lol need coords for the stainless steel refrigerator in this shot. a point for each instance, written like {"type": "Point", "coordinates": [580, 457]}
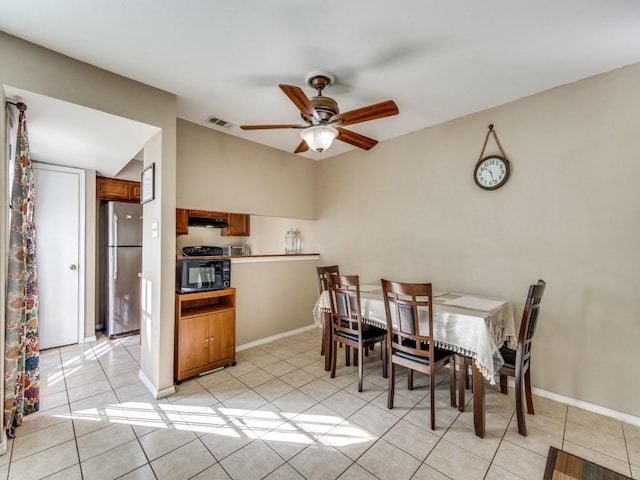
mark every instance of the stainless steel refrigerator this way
{"type": "Point", "coordinates": [122, 271]}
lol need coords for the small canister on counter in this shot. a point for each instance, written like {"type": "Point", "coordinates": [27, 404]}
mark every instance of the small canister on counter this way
{"type": "Point", "coordinates": [292, 241]}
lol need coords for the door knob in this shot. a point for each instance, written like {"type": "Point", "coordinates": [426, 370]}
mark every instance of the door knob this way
{"type": "Point", "coordinates": [72, 267]}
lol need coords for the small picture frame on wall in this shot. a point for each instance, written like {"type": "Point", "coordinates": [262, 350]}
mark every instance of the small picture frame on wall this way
{"type": "Point", "coordinates": [147, 184]}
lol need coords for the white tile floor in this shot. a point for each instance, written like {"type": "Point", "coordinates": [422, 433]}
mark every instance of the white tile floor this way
{"type": "Point", "coordinates": [278, 415]}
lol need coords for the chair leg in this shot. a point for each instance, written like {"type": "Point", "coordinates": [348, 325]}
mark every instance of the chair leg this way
{"type": "Point", "coordinates": [334, 354]}
{"type": "Point", "coordinates": [383, 353]}
{"type": "Point", "coordinates": [432, 398]}
{"type": "Point", "coordinates": [462, 383]}
{"type": "Point", "coordinates": [347, 355]}
{"type": "Point", "coordinates": [504, 388]}
{"type": "Point", "coordinates": [410, 379]}
{"type": "Point", "coordinates": [323, 340]}
{"type": "Point", "coordinates": [392, 384]}
{"type": "Point", "coordinates": [522, 426]}
{"type": "Point", "coordinates": [357, 353]}
{"type": "Point", "coordinates": [452, 380]}
{"type": "Point", "coordinates": [527, 391]}
{"type": "Point", "coordinates": [467, 378]}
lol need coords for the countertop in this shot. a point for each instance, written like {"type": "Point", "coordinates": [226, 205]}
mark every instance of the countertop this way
{"type": "Point", "coordinates": [274, 257]}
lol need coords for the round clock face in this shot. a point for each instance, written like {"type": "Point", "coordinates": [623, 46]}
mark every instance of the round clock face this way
{"type": "Point", "coordinates": [491, 172]}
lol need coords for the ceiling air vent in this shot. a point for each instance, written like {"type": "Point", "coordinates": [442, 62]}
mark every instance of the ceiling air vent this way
{"type": "Point", "coordinates": [219, 122]}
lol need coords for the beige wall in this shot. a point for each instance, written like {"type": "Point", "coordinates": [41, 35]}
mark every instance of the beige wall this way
{"type": "Point", "coordinates": [273, 297]}
{"type": "Point", "coordinates": [242, 177]}
{"type": "Point", "coordinates": [569, 214]}
{"type": "Point", "coordinates": [29, 67]}
{"type": "Point", "coordinates": [131, 171]}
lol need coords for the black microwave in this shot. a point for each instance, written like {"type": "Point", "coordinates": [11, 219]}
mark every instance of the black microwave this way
{"type": "Point", "coordinates": [202, 275]}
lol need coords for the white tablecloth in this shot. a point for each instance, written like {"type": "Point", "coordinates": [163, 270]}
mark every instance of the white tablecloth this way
{"type": "Point", "coordinates": [469, 325]}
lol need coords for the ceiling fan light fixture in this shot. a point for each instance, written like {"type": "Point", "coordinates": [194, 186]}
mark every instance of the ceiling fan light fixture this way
{"type": "Point", "coordinates": [319, 137]}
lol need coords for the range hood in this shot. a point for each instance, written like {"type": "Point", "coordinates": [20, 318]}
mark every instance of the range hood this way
{"type": "Point", "coordinates": [211, 222]}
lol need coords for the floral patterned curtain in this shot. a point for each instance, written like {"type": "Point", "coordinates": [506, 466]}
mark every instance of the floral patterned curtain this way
{"type": "Point", "coordinates": [22, 358]}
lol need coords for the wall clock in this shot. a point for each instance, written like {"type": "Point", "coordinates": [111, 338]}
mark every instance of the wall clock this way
{"type": "Point", "coordinates": [491, 172]}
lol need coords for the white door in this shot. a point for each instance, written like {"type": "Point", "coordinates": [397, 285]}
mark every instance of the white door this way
{"type": "Point", "coordinates": [59, 219]}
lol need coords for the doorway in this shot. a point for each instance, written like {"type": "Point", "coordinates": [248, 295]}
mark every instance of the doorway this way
{"type": "Point", "coordinates": [59, 219]}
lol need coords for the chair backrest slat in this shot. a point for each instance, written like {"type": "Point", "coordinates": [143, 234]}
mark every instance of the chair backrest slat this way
{"type": "Point", "coordinates": [407, 317]}
{"type": "Point", "coordinates": [342, 304]}
{"type": "Point", "coordinates": [344, 294]}
{"type": "Point", "coordinates": [323, 273]}
{"type": "Point", "coordinates": [404, 304]}
{"type": "Point", "coordinates": [528, 324]}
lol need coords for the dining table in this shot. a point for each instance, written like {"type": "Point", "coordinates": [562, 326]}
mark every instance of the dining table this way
{"type": "Point", "coordinates": [473, 326]}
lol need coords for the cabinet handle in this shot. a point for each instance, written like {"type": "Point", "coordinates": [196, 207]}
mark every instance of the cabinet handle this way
{"type": "Point", "coordinates": [212, 339]}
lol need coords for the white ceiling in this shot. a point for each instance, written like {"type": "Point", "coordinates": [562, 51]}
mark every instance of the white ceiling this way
{"type": "Point", "coordinates": [438, 60]}
{"type": "Point", "coordinates": [66, 134]}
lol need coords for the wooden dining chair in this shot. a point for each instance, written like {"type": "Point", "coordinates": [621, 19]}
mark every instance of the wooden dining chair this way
{"type": "Point", "coordinates": [323, 285]}
{"type": "Point", "coordinates": [408, 345]}
{"type": "Point", "coordinates": [347, 326]}
{"type": "Point", "coordinates": [517, 363]}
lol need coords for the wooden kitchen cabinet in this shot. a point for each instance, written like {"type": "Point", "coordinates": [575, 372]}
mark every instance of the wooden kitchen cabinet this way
{"type": "Point", "coordinates": [182, 221]}
{"type": "Point", "coordinates": [115, 189]}
{"type": "Point", "coordinates": [205, 334]}
{"type": "Point", "coordinates": [134, 191]}
{"type": "Point", "coordinates": [238, 225]}
{"type": "Point", "coordinates": [206, 214]}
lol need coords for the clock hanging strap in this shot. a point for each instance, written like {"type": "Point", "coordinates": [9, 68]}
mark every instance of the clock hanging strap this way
{"type": "Point", "coordinates": [486, 139]}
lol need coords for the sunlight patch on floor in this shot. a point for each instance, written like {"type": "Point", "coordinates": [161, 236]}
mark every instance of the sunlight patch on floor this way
{"type": "Point", "coordinates": [285, 427]}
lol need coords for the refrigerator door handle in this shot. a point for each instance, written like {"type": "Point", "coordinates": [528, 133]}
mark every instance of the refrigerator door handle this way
{"type": "Point", "coordinates": [115, 246]}
{"type": "Point", "coordinates": [115, 230]}
{"type": "Point", "coordinates": [114, 252]}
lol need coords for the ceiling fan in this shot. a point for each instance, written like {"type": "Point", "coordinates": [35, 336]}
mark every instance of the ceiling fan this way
{"type": "Point", "coordinates": [323, 121]}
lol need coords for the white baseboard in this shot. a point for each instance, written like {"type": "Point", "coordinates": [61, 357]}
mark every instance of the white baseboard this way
{"type": "Point", "coordinates": [262, 341]}
{"type": "Point", "coordinates": [157, 394]}
{"type": "Point", "coordinates": [93, 338]}
{"type": "Point", "coordinates": [590, 407]}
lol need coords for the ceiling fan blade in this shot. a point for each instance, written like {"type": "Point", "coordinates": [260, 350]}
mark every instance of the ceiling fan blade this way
{"type": "Point", "coordinates": [297, 96]}
{"type": "Point", "coordinates": [302, 147]}
{"type": "Point", "coordinates": [356, 139]}
{"type": "Point", "coordinates": [364, 114]}
{"type": "Point", "coordinates": [264, 127]}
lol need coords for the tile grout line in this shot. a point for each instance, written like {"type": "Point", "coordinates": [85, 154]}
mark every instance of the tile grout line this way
{"type": "Point", "coordinates": [73, 423]}
{"type": "Point", "coordinates": [495, 454]}
{"type": "Point", "coordinates": [315, 376]}
{"type": "Point", "coordinates": [137, 438]}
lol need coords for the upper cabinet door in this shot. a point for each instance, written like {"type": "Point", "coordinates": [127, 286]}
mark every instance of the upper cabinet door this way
{"type": "Point", "coordinates": [182, 221]}
{"type": "Point", "coordinates": [239, 225]}
{"type": "Point", "coordinates": [114, 189]}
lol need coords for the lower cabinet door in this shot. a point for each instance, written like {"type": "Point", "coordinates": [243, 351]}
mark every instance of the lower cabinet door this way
{"type": "Point", "coordinates": [194, 342]}
{"type": "Point", "coordinates": [222, 336]}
